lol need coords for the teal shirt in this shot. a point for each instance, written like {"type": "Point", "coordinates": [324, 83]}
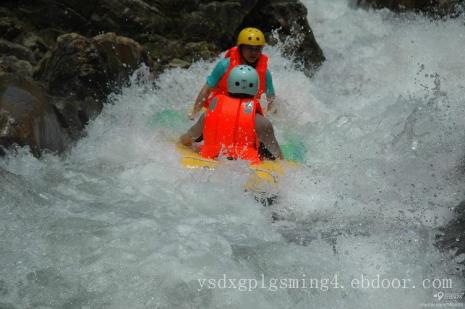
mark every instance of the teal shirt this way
{"type": "Point", "coordinates": [222, 66]}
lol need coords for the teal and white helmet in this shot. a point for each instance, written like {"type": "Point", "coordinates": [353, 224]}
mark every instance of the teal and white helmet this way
{"type": "Point", "coordinates": [243, 79]}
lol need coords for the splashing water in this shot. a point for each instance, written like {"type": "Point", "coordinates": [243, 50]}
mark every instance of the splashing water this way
{"type": "Point", "coordinates": [117, 223]}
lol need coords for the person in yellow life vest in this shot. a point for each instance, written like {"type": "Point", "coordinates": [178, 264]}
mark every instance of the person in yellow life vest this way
{"type": "Point", "coordinates": [233, 125]}
{"type": "Point", "coordinates": [248, 50]}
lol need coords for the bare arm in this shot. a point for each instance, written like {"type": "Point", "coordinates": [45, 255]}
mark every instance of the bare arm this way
{"type": "Point", "coordinates": [193, 133]}
{"type": "Point", "coordinates": [201, 98]}
{"type": "Point", "coordinates": [265, 134]}
{"type": "Point", "coordinates": [271, 108]}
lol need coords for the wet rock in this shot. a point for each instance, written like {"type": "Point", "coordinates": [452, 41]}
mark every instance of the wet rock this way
{"type": "Point", "coordinates": [163, 50]}
{"type": "Point", "coordinates": [200, 50]}
{"type": "Point", "coordinates": [178, 63]}
{"type": "Point", "coordinates": [291, 18]}
{"type": "Point", "coordinates": [78, 75]}
{"type": "Point", "coordinates": [434, 7]}
{"type": "Point", "coordinates": [34, 43]}
{"type": "Point", "coordinates": [10, 28]}
{"type": "Point", "coordinates": [192, 30]}
{"type": "Point", "coordinates": [27, 118]}
{"type": "Point", "coordinates": [13, 65]}
{"type": "Point", "coordinates": [72, 115]}
{"type": "Point", "coordinates": [167, 27]}
{"type": "Point", "coordinates": [84, 71]}
{"type": "Point", "coordinates": [19, 40]}
{"type": "Point", "coordinates": [48, 14]}
{"type": "Point", "coordinates": [215, 21]}
{"type": "Point", "coordinates": [220, 22]}
{"type": "Point", "coordinates": [17, 50]}
{"type": "Point", "coordinates": [49, 36]}
{"type": "Point", "coordinates": [122, 55]}
{"type": "Point", "coordinates": [72, 67]}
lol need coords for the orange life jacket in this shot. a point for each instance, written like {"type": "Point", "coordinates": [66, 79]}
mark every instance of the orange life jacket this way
{"type": "Point", "coordinates": [229, 129]}
{"type": "Point", "coordinates": [235, 59]}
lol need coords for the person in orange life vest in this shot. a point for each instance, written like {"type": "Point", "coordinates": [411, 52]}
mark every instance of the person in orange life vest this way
{"type": "Point", "coordinates": [248, 50]}
{"type": "Point", "coordinates": [234, 125]}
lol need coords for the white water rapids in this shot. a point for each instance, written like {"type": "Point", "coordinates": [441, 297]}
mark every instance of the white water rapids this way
{"type": "Point", "coordinates": [118, 223]}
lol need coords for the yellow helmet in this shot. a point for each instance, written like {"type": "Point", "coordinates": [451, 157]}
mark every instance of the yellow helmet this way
{"type": "Point", "coordinates": [251, 36]}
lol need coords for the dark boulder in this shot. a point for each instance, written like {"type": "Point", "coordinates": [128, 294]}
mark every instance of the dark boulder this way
{"type": "Point", "coordinates": [81, 72]}
{"type": "Point", "coordinates": [10, 28]}
{"type": "Point", "coordinates": [185, 30]}
{"type": "Point", "coordinates": [15, 66]}
{"type": "Point", "coordinates": [34, 43]}
{"type": "Point", "coordinates": [21, 47]}
{"type": "Point", "coordinates": [214, 25]}
{"type": "Point", "coordinates": [17, 50]}
{"type": "Point", "coordinates": [291, 18]}
{"type": "Point", "coordinates": [73, 81]}
{"type": "Point", "coordinates": [42, 14]}
{"type": "Point", "coordinates": [27, 118]}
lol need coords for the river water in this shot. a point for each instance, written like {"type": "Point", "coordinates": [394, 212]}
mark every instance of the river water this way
{"type": "Point", "coordinates": [118, 223]}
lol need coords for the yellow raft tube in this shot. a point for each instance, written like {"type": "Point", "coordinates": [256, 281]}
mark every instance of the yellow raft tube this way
{"type": "Point", "coordinates": [265, 174]}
